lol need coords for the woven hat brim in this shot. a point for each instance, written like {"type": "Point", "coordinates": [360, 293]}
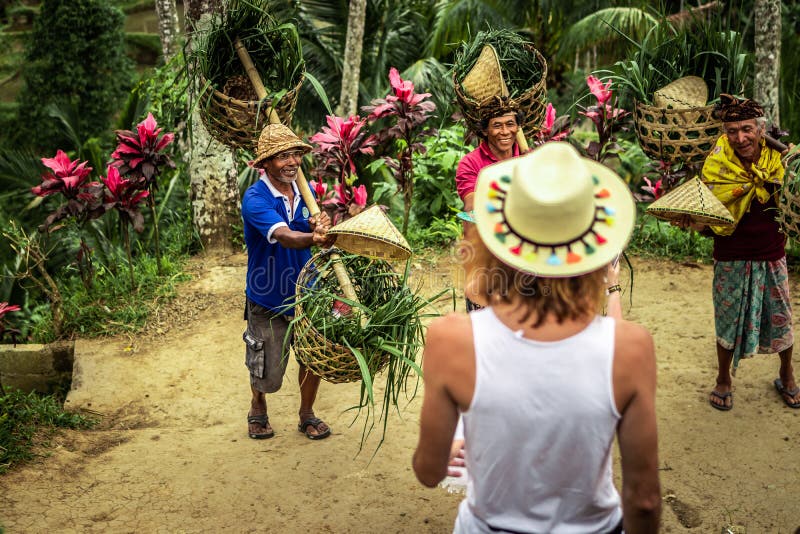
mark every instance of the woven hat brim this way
{"type": "Point", "coordinates": [616, 235]}
{"type": "Point", "coordinates": [371, 234]}
{"type": "Point", "coordinates": [683, 93]}
{"type": "Point", "coordinates": [691, 198]}
{"type": "Point", "coordinates": [280, 147]}
{"type": "Point", "coordinates": [666, 214]}
{"type": "Point", "coordinates": [485, 80]}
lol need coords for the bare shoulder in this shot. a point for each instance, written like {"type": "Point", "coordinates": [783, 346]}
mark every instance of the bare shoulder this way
{"type": "Point", "coordinates": [452, 328]}
{"type": "Point", "coordinates": [448, 336]}
{"type": "Point", "coordinates": [634, 343]}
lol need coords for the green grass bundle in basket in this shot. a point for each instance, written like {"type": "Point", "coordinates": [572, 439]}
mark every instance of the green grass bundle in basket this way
{"type": "Point", "coordinates": [524, 73]}
{"type": "Point", "coordinates": [789, 198]}
{"type": "Point", "coordinates": [228, 103]}
{"type": "Point", "coordinates": [329, 337]}
{"type": "Point", "coordinates": [669, 53]}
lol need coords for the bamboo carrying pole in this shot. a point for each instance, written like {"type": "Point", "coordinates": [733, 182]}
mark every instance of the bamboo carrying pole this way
{"type": "Point", "coordinates": [302, 184]}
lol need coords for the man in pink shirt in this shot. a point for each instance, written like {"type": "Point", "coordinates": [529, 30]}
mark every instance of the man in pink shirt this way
{"type": "Point", "coordinates": [498, 142]}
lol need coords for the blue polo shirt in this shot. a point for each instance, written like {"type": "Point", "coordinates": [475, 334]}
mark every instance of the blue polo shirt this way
{"type": "Point", "coordinates": [272, 269]}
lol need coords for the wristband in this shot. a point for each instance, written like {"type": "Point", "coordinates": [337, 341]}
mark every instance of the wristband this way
{"type": "Point", "coordinates": [613, 289]}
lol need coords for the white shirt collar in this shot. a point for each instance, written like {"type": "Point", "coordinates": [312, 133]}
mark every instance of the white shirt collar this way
{"type": "Point", "coordinates": [275, 191]}
{"type": "Point", "coordinates": [277, 194]}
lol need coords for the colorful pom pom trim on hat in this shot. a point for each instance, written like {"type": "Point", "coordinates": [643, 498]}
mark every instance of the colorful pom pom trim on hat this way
{"type": "Point", "coordinates": [502, 230]}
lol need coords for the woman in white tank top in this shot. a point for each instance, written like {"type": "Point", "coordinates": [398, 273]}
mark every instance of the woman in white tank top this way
{"type": "Point", "coordinates": [543, 381]}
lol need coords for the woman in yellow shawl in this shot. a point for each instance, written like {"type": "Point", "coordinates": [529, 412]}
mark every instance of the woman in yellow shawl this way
{"type": "Point", "coordinates": [752, 308]}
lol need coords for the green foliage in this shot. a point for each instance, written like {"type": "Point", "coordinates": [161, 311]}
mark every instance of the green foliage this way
{"type": "Point", "coordinates": [790, 65]}
{"type": "Point", "coordinates": [27, 420]}
{"type": "Point", "coordinates": [393, 329]}
{"type": "Point", "coordinates": [274, 48]}
{"type": "Point", "coordinates": [595, 29]}
{"type": "Point", "coordinates": [145, 48]}
{"type": "Point", "coordinates": [513, 51]}
{"type": "Point", "coordinates": [164, 93]}
{"type": "Point", "coordinates": [435, 195]}
{"type": "Point", "coordinates": [76, 55]}
{"type": "Point", "coordinates": [439, 233]}
{"type": "Point", "coordinates": [716, 54]}
{"type": "Point", "coordinates": [109, 306]}
{"type": "Point", "coordinates": [655, 238]}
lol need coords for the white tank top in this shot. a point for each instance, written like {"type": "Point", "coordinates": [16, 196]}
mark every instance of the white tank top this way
{"type": "Point", "coordinates": [539, 432]}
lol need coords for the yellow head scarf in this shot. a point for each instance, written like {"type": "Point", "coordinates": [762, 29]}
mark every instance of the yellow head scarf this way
{"type": "Point", "coordinates": [734, 186]}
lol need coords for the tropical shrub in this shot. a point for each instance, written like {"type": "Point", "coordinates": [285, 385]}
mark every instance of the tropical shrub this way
{"type": "Point", "coordinates": [339, 144]}
{"type": "Point", "coordinates": [404, 115]}
{"type": "Point", "coordinates": [76, 55]}
{"type": "Point", "coordinates": [670, 51]}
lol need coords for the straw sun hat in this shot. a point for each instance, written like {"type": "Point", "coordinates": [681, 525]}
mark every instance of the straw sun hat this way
{"type": "Point", "coordinates": [274, 139]}
{"type": "Point", "coordinates": [552, 212]}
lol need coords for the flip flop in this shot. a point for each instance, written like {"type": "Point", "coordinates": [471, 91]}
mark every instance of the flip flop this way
{"type": "Point", "coordinates": [262, 420]}
{"type": "Point", "coordinates": [784, 393]}
{"type": "Point", "coordinates": [722, 397]}
{"type": "Point", "coordinates": [314, 423]}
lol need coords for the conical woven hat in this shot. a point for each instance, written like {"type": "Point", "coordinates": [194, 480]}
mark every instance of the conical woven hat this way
{"type": "Point", "coordinates": [485, 79]}
{"type": "Point", "coordinates": [695, 199]}
{"type": "Point", "coordinates": [686, 92]}
{"type": "Point", "coordinates": [371, 234]}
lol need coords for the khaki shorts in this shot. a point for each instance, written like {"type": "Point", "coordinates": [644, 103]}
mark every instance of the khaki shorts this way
{"type": "Point", "coordinates": [267, 351]}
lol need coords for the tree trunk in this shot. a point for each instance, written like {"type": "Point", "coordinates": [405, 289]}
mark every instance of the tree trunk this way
{"type": "Point", "coordinates": [212, 169]}
{"type": "Point", "coordinates": [193, 10]}
{"type": "Point", "coordinates": [351, 69]}
{"type": "Point", "coordinates": [768, 57]}
{"type": "Point", "coordinates": [168, 27]}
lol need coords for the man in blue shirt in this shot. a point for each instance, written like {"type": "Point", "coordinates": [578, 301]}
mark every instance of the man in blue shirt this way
{"type": "Point", "coordinates": [278, 233]}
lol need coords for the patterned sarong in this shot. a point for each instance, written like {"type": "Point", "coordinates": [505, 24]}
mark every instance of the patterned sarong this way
{"type": "Point", "coordinates": [752, 310]}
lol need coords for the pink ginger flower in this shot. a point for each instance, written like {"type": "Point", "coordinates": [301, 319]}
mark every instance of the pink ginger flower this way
{"type": "Point", "coordinates": [68, 177]}
{"type": "Point", "coordinates": [319, 188]}
{"type": "Point", "coordinates": [600, 90]}
{"type": "Point", "coordinates": [654, 189]}
{"type": "Point", "coordinates": [360, 195]}
{"type": "Point", "coordinates": [5, 308]}
{"type": "Point", "coordinates": [139, 153]}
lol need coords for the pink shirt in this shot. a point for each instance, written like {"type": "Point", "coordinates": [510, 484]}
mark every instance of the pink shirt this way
{"type": "Point", "coordinates": [471, 164]}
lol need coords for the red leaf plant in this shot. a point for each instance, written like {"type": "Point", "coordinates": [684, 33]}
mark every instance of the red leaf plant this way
{"type": "Point", "coordinates": [5, 308]}
{"type": "Point", "coordinates": [338, 145]}
{"type": "Point", "coordinates": [71, 179]}
{"type": "Point", "coordinates": [553, 129]}
{"type": "Point", "coordinates": [139, 154]}
{"type": "Point", "coordinates": [124, 196]}
{"type": "Point", "coordinates": [140, 157]}
{"type": "Point", "coordinates": [607, 119]}
{"type": "Point", "coordinates": [407, 112]}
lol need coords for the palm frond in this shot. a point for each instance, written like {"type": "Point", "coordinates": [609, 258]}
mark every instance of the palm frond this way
{"type": "Point", "coordinates": [456, 21]}
{"type": "Point", "coordinates": [612, 24]}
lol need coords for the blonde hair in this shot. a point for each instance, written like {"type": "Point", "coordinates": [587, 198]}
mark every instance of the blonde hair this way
{"type": "Point", "coordinates": [491, 280]}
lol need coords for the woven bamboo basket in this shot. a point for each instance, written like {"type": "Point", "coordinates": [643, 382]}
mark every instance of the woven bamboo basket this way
{"type": "Point", "coordinates": [532, 103]}
{"type": "Point", "coordinates": [676, 135]}
{"type": "Point", "coordinates": [235, 116]}
{"type": "Point", "coordinates": [335, 362]}
{"type": "Point", "coordinates": [789, 201]}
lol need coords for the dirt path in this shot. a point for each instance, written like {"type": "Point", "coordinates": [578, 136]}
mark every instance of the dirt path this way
{"type": "Point", "coordinates": [172, 455]}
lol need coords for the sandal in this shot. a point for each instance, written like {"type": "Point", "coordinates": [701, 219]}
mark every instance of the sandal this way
{"type": "Point", "coordinates": [261, 420]}
{"type": "Point", "coordinates": [314, 423]}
